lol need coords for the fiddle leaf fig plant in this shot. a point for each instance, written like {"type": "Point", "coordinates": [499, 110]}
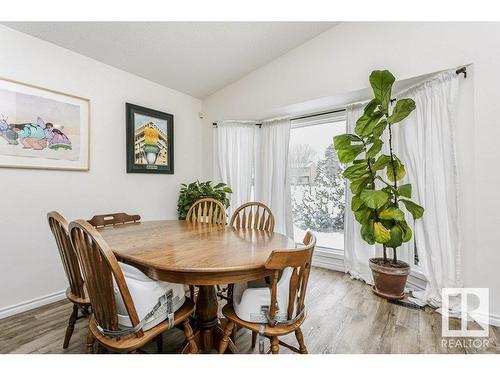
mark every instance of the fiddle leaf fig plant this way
{"type": "Point", "coordinates": [378, 197]}
{"type": "Point", "coordinates": [197, 190]}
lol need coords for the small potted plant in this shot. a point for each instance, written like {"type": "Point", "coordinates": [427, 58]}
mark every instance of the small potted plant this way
{"type": "Point", "coordinates": [378, 198]}
{"type": "Point", "coordinates": [197, 190]}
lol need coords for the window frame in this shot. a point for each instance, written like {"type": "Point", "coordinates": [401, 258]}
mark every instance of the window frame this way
{"type": "Point", "coordinates": [314, 120]}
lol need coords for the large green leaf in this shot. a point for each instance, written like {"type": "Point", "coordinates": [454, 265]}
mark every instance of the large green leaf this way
{"type": "Point", "coordinates": [371, 107]}
{"type": "Point", "coordinates": [358, 185]}
{"type": "Point", "coordinates": [396, 237]}
{"type": "Point", "coordinates": [366, 123]}
{"type": "Point", "coordinates": [398, 168]}
{"type": "Point", "coordinates": [381, 82]}
{"type": "Point", "coordinates": [367, 232]}
{"type": "Point", "coordinates": [344, 141]}
{"type": "Point", "coordinates": [416, 211]}
{"type": "Point", "coordinates": [356, 171]}
{"type": "Point", "coordinates": [363, 215]}
{"type": "Point", "coordinates": [378, 129]}
{"type": "Point", "coordinates": [347, 155]}
{"type": "Point", "coordinates": [405, 190]}
{"type": "Point", "coordinates": [356, 203]}
{"type": "Point", "coordinates": [374, 198]}
{"type": "Point", "coordinates": [392, 213]}
{"type": "Point", "coordinates": [401, 110]}
{"type": "Point", "coordinates": [381, 162]}
{"type": "Point", "coordinates": [375, 149]}
{"type": "Point", "coordinates": [407, 233]}
{"type": "Point", "coordinates": [381, 233]}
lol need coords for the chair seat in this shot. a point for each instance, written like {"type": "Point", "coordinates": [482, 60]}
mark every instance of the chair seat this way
{"type": "Point", "coordinates": [145, 293]}
{"type": "Point", "coordinates": [131, 343]}
{"type": "Point", "coordinates": [249, 297]}
{"type": "Point", "coordinates": [277, 330]}
{"type": "Point", "coordinates": [78, 300]}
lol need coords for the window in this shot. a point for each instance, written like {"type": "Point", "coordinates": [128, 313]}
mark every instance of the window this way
{"type": "Point", "coordinates": [317, 185]}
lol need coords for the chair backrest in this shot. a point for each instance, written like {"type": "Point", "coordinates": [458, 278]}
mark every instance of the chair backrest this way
{"type": "Point", "coordinates": [59, 227]}
{"type": "Point", "coordinates": [207, 210]}
{"type": "Point", "coordinates": [113, 219]}
{"type": "Point", "coordinates": [99, 268]}
{"type": "Point", "coordinates": [299, 260]}
{"type": "Point", "coordinates": [253, 215]}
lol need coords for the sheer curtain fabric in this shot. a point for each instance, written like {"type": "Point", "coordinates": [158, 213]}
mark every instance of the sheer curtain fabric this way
{"type": "Point", "coordinates": [235, 145]}
{"type": "Point", "coordinates": [272, 185]}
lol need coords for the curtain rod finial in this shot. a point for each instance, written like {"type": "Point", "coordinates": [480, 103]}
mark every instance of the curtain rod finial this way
{"type": "Point", "coordinates": [463, 70]}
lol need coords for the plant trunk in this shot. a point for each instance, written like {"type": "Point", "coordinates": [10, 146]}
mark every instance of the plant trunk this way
{"type": "Point", "coordinates": [385, 253]}
{"type": "Point", "coordinates": [394, 256]}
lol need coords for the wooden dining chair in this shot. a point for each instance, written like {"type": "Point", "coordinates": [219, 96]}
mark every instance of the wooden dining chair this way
{"type": "Point", "coordinates": [76, 292]}
{"type": "Point", "coordinates": [207, 210]}
{"type": "Point", "coordinates": [101, 271]}
{"type": "Point", "coordinates": [113, 219]}
{"type": "Point", "coordinates": [272, 321]}
{"type": "Point", "coordinates": [253, 215]}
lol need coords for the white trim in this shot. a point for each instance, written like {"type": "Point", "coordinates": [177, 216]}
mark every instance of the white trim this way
{"type": "Point", "coordinates": [31, 304]}
{"type": "Point", "coordinates": [328, 259]}
{"type": "Point", "coordinates": [495, 320]}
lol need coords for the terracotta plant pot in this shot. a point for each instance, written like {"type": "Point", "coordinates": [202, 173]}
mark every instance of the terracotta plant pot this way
{"type": "Point", "coordinates": [389, 281]}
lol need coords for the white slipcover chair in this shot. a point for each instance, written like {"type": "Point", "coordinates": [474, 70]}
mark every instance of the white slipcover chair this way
{"type": "Point", "coordinates": [145, 293]}
{"type": "Point", "coordinates": [250, 297]}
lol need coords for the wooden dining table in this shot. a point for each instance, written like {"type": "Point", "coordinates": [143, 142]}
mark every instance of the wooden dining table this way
{"type": "Point", "coordinates": [198, 254]}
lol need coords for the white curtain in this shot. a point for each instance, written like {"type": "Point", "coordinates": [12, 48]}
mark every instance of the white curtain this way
{"type": "Point", "coordinates": [272, 185]}
{"type": "Point", "coordinates": [235, 145]}
{"type": "Point", "coordinates": [424, 142]}
{"type": "Point", "coordinates": [356, 251]}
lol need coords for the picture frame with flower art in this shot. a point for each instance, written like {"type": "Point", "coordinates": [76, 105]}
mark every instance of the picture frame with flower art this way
{"type": "Point", "coordinates": [150, 140]}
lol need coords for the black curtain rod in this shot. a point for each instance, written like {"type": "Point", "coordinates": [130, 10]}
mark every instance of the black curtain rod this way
{"type": "Point", "coordinates": [462, 70]}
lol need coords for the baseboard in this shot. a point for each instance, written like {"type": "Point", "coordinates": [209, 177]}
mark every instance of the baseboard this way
{"type": "Point", "coordinates": [31, 304]}
{"type": "Point", "coordinates": [328, 261]}
{"type": "Point", "coordinates": [495, 320]}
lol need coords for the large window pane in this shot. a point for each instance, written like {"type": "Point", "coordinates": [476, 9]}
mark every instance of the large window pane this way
{"type": "Point", "coordinates": [318, 188]}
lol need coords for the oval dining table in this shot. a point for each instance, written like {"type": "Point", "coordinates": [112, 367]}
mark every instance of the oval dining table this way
{"type": "Point", "coordinates": [198, 254]}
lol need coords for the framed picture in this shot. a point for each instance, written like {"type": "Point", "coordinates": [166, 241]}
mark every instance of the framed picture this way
{"type": "Point", "coordinates": [150, 140]}
{"type": "Point", "coordinates": [42, 128]}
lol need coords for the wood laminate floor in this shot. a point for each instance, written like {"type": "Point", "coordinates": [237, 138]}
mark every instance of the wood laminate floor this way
{"type": "Point", "coordinates": [344, 316]}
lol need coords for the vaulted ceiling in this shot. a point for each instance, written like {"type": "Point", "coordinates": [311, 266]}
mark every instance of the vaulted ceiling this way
{"type": "Point", "coordinates": [197, 58]}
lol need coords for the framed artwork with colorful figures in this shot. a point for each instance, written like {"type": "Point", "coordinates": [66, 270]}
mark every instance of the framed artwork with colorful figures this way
{"type": "Point", "coordinates": [150, 140]}
{"type": "Point", "coordinates": [42, 128]}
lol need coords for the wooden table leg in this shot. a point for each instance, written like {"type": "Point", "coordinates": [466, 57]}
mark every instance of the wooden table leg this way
{"type": "Point", "coordinates": [208, 332]}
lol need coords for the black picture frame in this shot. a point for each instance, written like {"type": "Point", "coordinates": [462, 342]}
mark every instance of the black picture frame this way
{"type": "Point", "coordinates": [147, 165]}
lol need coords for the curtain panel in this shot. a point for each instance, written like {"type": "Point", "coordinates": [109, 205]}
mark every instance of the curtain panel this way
{"type": "Point", "coordinates": [235, 145]}
{"type": "Point", "coordinates": [272, 180]}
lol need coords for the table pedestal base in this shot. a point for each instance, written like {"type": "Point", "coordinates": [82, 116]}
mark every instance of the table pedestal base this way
{"type": "Point", "coordinates": [208, 333]}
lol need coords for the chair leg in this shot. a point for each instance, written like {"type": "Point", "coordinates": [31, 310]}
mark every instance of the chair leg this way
{"type": "Point", "coordinates": [225, 339]}
{"type": "Point", "coordinates": [254, 339]}
{"type": "Point", "coordinates": [188, 332]}
{"type": "Point", "coordinates": [159, 343]}
{"type": "Point", "coordinates": [233, 334]}
{"type": "Point", "coordinates": [71, 326]}
{"type": "Point", "coordinates": [300, 339]}
{"type": "Point", "coordinates": [191, 292]}
{"type": "Point", "coordinates": [275, 346]}
{"type": "Point", "coordinates": [90, 342]}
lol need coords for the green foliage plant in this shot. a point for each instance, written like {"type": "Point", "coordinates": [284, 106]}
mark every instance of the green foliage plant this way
{"type": "Point", "coordinates": [197, 190]}
{"type": "Point", "coordinates": [378, 198]}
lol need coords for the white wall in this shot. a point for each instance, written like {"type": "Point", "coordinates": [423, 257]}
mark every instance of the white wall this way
{"type": "Point", "coordinates": [30, 267]}
{"type": "Point", "coordinates": [339, 61]}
